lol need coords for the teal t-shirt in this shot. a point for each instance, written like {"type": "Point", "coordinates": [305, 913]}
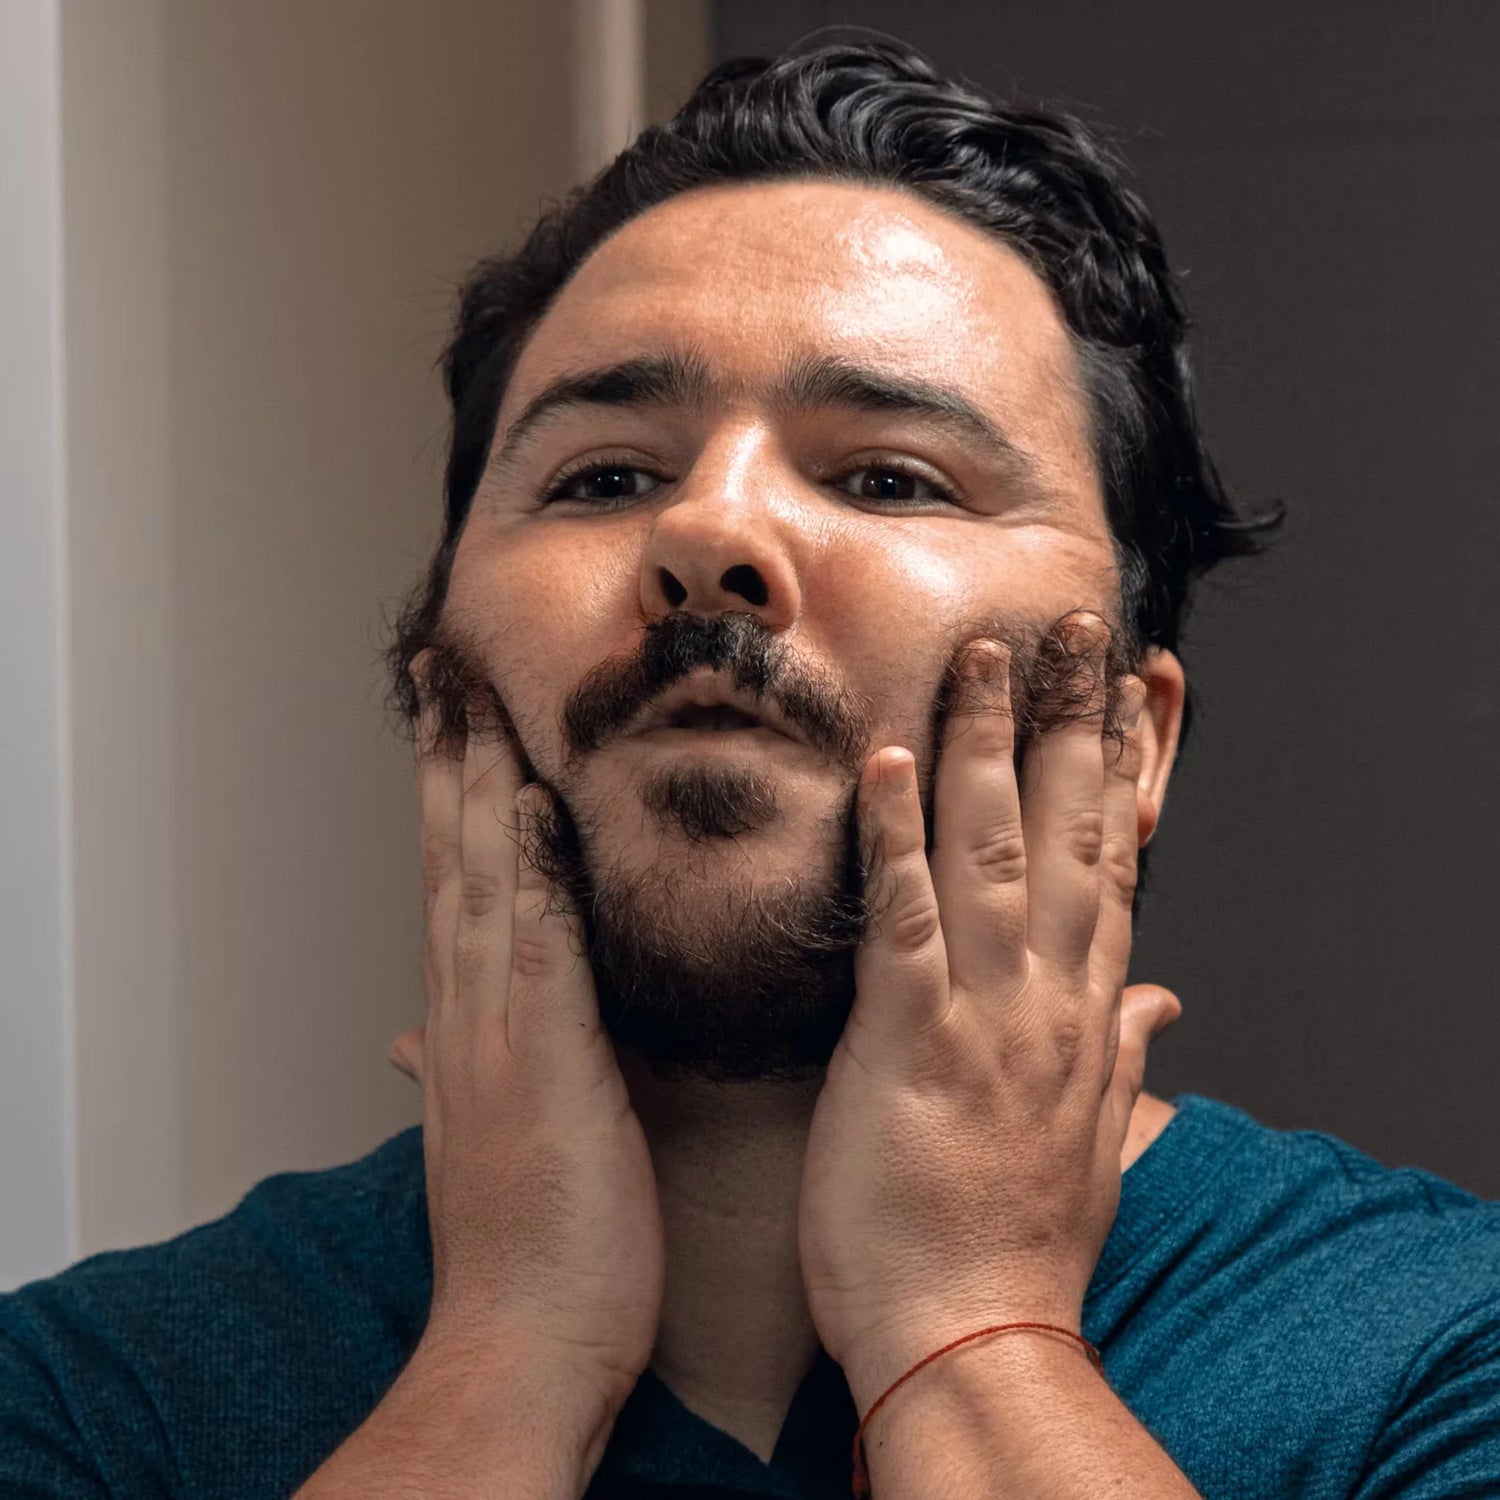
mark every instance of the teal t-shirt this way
{"type": "Point", "coordinates": [1285, 1315]}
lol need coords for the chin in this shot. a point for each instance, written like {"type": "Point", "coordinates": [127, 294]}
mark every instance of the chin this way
{"type": "Point", "coordinates": [734, 830]}
{"type": "Point", "coordinates": [721, 930]}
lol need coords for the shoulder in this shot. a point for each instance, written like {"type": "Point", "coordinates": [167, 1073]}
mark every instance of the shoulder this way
{"type": "Point", "coordinates": [296, 1233]}
{"type": "Point", "coordinates": [1309, 1211]}
{"type": "Point", "coordinates": [1349, 1312]}
{"type": "Point", "coordinates": [311, 1290]}
{"type": "Point", "coordinates": [1308, 1192]}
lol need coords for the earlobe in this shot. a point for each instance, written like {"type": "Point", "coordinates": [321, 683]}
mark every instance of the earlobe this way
{"type": "Point", "coordinates": [1161, 727]}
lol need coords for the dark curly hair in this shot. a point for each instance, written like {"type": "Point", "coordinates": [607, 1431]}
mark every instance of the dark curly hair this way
{"type": "Point", "coordinates": [879, 113]}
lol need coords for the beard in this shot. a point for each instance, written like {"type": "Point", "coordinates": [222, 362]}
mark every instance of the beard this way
{"type": "Point", "coordinates": [703, 974]}
{"type": "Point", "coordinates": [722, 980]}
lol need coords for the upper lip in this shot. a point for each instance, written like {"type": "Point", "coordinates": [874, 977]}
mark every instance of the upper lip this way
{"type": "Point", "coordinates": [707, 689]}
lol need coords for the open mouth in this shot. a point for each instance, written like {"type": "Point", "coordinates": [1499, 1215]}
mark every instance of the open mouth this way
{"type": "Point", "coordinates": [700, 705]}
{"type": "Point", "coordinates": [716, 717]}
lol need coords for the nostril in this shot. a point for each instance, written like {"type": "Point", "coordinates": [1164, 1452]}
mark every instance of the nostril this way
{"type": "Point", "coordinates": [672, 588]}
{"type": "Point", "coordinates": [745, 581]}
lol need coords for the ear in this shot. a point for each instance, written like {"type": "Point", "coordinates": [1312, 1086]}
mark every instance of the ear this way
{"type": "Point", "coordinates": [1161, 726]}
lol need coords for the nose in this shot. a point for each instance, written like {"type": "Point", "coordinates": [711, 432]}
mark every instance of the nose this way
{"type": "Point", "coordinates": [721, 546]}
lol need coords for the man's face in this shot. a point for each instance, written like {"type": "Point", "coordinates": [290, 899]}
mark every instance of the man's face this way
{"type": "Point", "coordinates": [839, 436]}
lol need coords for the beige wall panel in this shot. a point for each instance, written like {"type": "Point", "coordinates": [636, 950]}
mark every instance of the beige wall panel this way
{"type": "Point", "coordinates": [268, 207]}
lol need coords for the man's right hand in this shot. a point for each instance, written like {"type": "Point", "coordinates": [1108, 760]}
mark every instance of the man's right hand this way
{"type": "Point", "coordinates": [548, 1259]}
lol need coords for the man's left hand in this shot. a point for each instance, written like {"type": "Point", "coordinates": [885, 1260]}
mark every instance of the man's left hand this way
{"type": "Point", "coordinates": [964, 1164]}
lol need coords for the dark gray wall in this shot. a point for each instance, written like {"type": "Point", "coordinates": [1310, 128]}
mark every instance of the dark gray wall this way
{"type": "Point", "coordinates": [1324, 887]}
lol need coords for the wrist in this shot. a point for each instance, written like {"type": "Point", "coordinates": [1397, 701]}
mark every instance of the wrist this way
{"type": "Point", "coordinates": [521, 1396]}
{"type": "Point", "coordinates": [464, 1410]}
{"type": "Point", "coordinates": [875, 1361]}
{"type": "Point", "coordinates": [994, 1399]}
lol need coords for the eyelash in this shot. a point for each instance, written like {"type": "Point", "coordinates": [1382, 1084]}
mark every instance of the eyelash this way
{"type": "Point", "coordinates": [941, 492]}
{"type": "Point", "coordinates": [599, 464]}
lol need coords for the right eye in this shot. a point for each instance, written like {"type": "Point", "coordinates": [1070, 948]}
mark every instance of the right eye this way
{"type": "Point", "coordinates": [602, 484]}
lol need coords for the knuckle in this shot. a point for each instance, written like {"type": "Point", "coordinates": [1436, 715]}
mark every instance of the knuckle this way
{"type": "Point", "coordinates": [1081, 832]}
{"type": "Point", "coordinates": [1070, 1039]}
{"type": "Point", "coordinates": [531, 953]}
{"type": "Point", "coordinates": [1119, 865]}
{"type": "Point", "coordinates": [1051, 1040]}
{"type": "Point", "coordinates": [911, 921]}
{"type": "Point", "coordinates": [984, 735]}
{"type": "Point", "coordinates": [945, 1042]}
{"type": "Point", "coordinates": [479, 893]}
{"type": "Point", "coordinates": [999, 853]}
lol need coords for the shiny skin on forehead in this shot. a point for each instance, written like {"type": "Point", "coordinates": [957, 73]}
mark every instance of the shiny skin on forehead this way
{"type": "Point", "coordinates": [753, 273]}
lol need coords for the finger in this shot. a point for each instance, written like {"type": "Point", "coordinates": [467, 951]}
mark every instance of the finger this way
{"type": "Point", "coordinates": [979, 851]}
{"type": "Point", "coordinates": [1146, 1010]}
{"type": "Point", "coordinates": [406, 1053]}
{"type": "Point", "coordinates": [487, 884]}
{"type": "Point", "coordinates": [552, 1001]}
{"type": "Point", "coordinates": [1062, 816]}
{"type": "Point", "coordinates": [440, 794]}
{"type": "Point", "coordinates": [901, 966]}
{"type": "Point", "coordinates": [1119, 856]}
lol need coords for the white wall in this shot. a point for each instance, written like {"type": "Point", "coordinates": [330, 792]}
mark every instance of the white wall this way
{"type": "Point", "coordinates": [36, 1177]}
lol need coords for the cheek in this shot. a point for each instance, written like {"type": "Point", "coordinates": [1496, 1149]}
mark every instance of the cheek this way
{"type": "Point", "coordinates": [545, 615]}
{"type": "Point", "coordinates": [887, 611]}
{"type": "Point", "coordinates": [563, 588]}
{"type": "Point", "coordinates": [892, 607]}
{"type": "Point", "coordinates": [895, 576]}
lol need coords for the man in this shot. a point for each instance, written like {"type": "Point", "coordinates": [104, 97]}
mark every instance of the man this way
{"type": "Point", "coordinates": [794, 690]}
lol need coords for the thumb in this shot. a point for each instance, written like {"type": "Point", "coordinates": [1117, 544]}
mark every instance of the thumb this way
{"type": "Point", "coordinates": [1146, 1010]}
{"type": "Point", "coordinates": [1151, 1008]}
{"type": "Point", "coordinates": [406, 1053]}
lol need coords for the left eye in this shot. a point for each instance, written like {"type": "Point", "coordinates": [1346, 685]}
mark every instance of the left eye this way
{"type": "Point", "coordinates": [888, 486]}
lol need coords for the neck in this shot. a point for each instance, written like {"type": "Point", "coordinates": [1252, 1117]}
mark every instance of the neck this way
{"type": "Point", "coordinates": [735, 1337]}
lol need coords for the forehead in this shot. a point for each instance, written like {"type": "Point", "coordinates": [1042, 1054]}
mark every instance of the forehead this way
{"type": "Point", "coordinates": [752, 275]}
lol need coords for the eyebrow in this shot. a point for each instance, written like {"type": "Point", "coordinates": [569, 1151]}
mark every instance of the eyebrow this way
{"type": "Point", "coordinates": [666, 380]}
{"type": "Point", "coordinates": [828, 380]}
{"type": "Point", "coordinates": [683, 380]}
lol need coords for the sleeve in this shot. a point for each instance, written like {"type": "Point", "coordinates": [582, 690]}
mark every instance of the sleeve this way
{"type": "Point", "coordinates": [43, 1456]}
{"type": "Point", "coordinates": [1442, 1441]}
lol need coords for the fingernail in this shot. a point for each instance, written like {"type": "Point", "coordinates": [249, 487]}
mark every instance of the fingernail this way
{"type": "Point", "coordinates": [418, 668]}
{"type": "Point", "coordinates": [1093, 629]}
{"type": "Point", "coordinates": [898, 774]}
{"type": "Point", "coordinates": [987, 662]}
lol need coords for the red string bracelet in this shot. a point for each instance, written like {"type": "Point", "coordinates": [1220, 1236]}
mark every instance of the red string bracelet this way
{"type": "Point", "coordinates": [861, 1485]}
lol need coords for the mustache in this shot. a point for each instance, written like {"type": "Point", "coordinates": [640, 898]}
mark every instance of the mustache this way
{"type": "Point", "coordinates": [1055, 678]}
{"type": "Point", "coordinates": [753, 657]}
